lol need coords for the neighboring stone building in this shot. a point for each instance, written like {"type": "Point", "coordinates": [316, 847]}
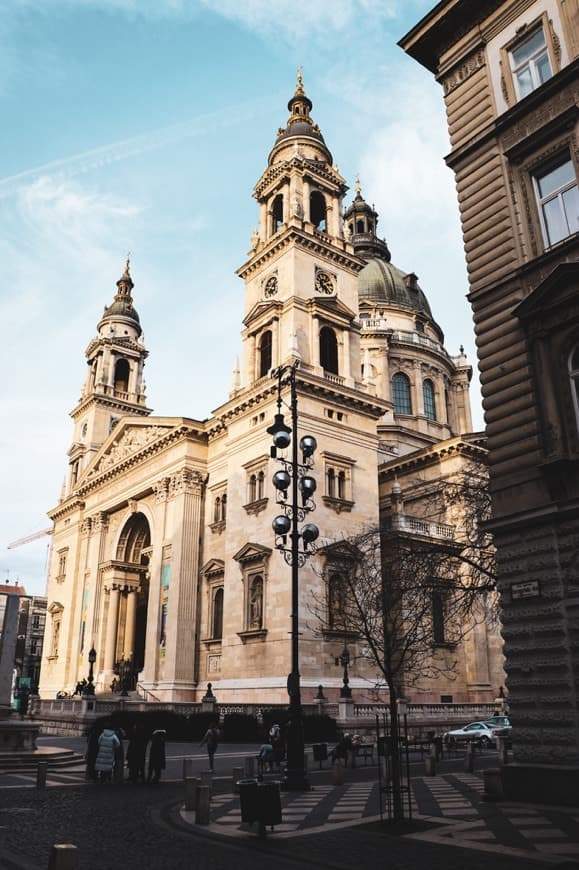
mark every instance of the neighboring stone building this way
{"type": "Point", "coordinates": [509, 73]}
{"type": "Point", "coordinates": [163, 549]}
{"type": "Point", "coordinates": [30, 634]}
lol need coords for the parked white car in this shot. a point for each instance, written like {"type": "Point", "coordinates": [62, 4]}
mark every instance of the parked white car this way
{"type": "Point", "coordinates": [476, 732]}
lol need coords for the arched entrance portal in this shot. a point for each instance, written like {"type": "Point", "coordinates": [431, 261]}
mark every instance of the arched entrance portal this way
{"type": "Point", "coordinates": [134, 549]}
{"type": "Point", "coordinates": [126, 580]}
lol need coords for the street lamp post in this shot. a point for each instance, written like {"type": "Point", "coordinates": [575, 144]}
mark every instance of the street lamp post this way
{"type": "Point", "coordinates": [345, 691]}
{"type": "Point", "coordinates": [292, 481]}
{"type": "Point", "coordinates": [89, 690]}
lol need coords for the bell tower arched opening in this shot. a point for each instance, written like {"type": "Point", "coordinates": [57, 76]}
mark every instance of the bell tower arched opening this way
{"type": "Point", "coordinates": [328, 350]}
{"type": "Point", "coordinates": [318, 212]}
{"type": "Point", "coordinates": [122, 372]}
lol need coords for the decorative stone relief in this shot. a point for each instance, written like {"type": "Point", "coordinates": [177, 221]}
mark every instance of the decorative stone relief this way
{"type": "Point", "coordinates": [556, 43]}
{"type": "Point", "coordinates": [161, 490]}
{"type": "Point", "coordinates": [131, 441]}
{"type": "Point", "coordinates": [464, 71]}
{"type": "Point", "coordinates": [186, 481]}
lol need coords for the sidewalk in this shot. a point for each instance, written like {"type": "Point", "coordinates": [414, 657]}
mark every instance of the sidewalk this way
{"type": "Point", "coordinates": [450, 806]}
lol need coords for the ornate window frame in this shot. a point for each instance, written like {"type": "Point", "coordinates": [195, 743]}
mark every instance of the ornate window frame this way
{"type": "Point", "coordinates": [56, 611]}
{"type": "Point", "coordinates": [509, 85]}
{"type": "Point", "coordinates": [62, 557]}
{"type": "Point", "coordinates": [219, 508]}
{"type": "Point", "coordinates": [253, 560]}
{"type": "Point", "coordinates": [255, 482]}
{"type": "Point", "coordinates": [338, 481]}
{"type": "Point", "coordinates": [213, 573]}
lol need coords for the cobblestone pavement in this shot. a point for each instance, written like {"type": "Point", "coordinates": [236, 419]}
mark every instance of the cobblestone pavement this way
{"type": "Point", "coordinates": [146, 827]}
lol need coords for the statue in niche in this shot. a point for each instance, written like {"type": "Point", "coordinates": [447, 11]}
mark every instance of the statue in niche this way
{"type": "Point", "coordinates": [256, 603]}
{"type": "Point", "coordinates": [297, 207]}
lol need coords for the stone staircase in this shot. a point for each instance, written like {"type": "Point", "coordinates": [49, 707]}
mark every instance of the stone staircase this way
{"type": "Point", "coordinates": [55, 757]}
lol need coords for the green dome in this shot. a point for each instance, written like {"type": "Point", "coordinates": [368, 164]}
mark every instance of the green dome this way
{"type": "Point", "coordinates": [380, 281]}
{"type": "Point", "coordinates": [121, 308]}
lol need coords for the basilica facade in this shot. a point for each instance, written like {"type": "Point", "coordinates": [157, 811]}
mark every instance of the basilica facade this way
{"type": "Point", "coordinates": [163, 551]}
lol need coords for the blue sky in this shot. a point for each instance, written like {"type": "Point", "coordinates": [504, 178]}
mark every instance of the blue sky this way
{"type": "Point", "coordinates": [142, 126]}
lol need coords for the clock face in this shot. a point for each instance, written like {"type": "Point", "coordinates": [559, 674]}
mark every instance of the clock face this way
{"type": "Point", "coordinates": [270, 288]}
{"type": "Point", "coordinates": [324, 283]}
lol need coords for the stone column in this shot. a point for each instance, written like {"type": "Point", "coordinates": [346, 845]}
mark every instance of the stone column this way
{"type": "Point", "coordinates": [111, 636]}
{"type": "Point", "coordinates": [263, 234]}
{"type": "Point", "coordinates": [346, 354]}
{"type": "Point", "coordinates": [130, 619]}
{"type": "Point", "coordinates": [416, 388]}
{"type": "Point", "coordinates": [187, 490]}
{"type": "Point", "coordinates": [316, 341]}
{"type": "Point", "coordinates": [275, 343]}
{"type": "Point", "coordinates": [306, 200]}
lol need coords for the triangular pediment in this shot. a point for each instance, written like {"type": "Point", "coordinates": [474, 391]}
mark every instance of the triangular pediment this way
{"type": "Point", "coordinates": [252, 553]}
{"type": "Point", "coordinates": [212, 567]}
{"type": "Point", "coordinates": [128, 438]}
{"type": "Point", "coordinates": [339, 551]}
{"type": "Point", "coordinates": [332, 307]}
{"type": "Point", "coordinates": [552, 294]}
{"type": "Point", "coordinates": [262, 309]}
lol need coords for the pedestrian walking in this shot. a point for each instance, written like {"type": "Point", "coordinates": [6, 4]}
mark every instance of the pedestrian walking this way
{"type": "Point", "coordinates": [211, 740]}
{"type": "Point", "coordinates": [108, 744]}
{"type": "Point", "coordinates": [265, 758]}
{"type": "Point", "coordinates": [136, 752]}
{"type": "Point", "coordinates": [92, 748]}
{"type": "Point", "coordinates": [157, 755]}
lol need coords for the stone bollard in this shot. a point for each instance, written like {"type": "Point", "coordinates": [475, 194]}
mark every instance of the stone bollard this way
{"type": "Point", "coordinates": [41, 771]}
{"type": "Point", "coordinates": [187, 767]}
{"type": "Point", "coordinates": [249, 766]}
{"type": "Point", "coordinates": [207, 781]}
{"type": "Point", "coordinates": [237, 775]}
{"type": "Point", "coordinates": [469, 758]}
{"type": "Point", "coordinates": [192, 784]}
{"type": "Point", "coordinates": [203, 801]}
{"type": "Point", "coordinates": [493, 784]}
{"type": "Point", "coordinates": [337, 774]}
{"type": "Point", "coordinates": [430, 765]}
{"type": "Point", "coordinates": [63, 856]}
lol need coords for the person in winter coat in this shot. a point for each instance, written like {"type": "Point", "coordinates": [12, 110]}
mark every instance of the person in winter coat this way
{"type": "Point", "coordinates": [108, 745]}
{"type": "Point", "coordinates": [136, 753]}
{"type": "Point", "coordinates": [211, 740]}
{"type": "Point", "coordinates": [156, 755]}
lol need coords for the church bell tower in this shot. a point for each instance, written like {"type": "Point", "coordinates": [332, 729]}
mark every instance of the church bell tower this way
{"type": "Point", "coordinates": [114, 385]}
{"type": "Point", "coordinates": [301, 275]}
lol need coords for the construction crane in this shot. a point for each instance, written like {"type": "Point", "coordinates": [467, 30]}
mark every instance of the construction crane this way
{"type": "Point", "coordinates": [28, 538]}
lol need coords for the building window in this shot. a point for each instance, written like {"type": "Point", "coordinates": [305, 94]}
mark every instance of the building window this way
{"type": "Point", "coordinates": [338, 473]}
{"type": "Point", "coordinates": [337, 588]}
{"type": "Point", "coordinates": [217, 632]}
{"type": "Point", "coordinates": [574, 377]}
{"type": "Point", "coordinates": [429, 400]}
{"type": "Point", "coordinates": [256, 486]}
{"type": "Point", "coordinates": [438, 634]}
{"type": "Point", "coordinates": [401, 394]}
{"type": "Point", "coordinates": [530, 63]}
{"type": "Point", "coordinates": [62, 557]}
{"type": "Point", "coordinates": [328, 350]}
{"type": "Point", "coordinates": [256, 498]}
{"type": "Point", "coordinates": [558, 200]}
{"type": "Point", "coordinates": [265, 345]}
{"type": "Point", "coordinates": [122, 372]}
{"type": "Point", "coordinates": [253, 561]}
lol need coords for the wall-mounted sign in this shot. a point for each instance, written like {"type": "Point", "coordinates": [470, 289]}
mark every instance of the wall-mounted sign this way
{"type": "Point", "coordinates": [526, 589]}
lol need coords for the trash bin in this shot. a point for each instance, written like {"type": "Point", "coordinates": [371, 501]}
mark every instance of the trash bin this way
{"type": "Point", "coordinates": [248, 798]}
{"type": "Point", "coordinates": [320, 751]}
{"type": "Point", "coordinates": [260, 802]}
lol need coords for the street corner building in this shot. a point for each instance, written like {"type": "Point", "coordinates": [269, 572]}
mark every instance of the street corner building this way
{"type": "Point", "coordinates": [163, 551]}
{"type": "Point", "coordinates": [508, 69]}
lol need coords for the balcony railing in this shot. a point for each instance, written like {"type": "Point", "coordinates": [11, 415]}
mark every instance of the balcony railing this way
{"type": "Point", "coordinates": [417, 526]}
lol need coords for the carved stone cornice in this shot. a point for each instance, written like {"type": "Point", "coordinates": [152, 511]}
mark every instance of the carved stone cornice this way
{"type": "Point", "coordinates": [317, 243]}
{"type": "Point", "coordinates": [463, 72]}
{"type": "Point", "coordinates": [67, 507]}
{"type": "Point", "coordinates": [256, 507]}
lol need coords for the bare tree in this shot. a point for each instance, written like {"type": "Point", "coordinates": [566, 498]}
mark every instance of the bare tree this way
{"type": "Point", "coordinates": [411, 590]}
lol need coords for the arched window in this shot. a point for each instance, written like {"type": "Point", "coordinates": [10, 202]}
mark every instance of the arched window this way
{"type": "Point", "coordinates": [328, 350]}
{"type": "Point", "coordinates": [218, 614]}
{"type": "Point", "coordinates": [437, 618]}
{"type": "Point", "coordinates": [277, 212]}
{"type": "Point", "coordinates": [360, 226]}
{"type": "Point", "coordinates": [574, 378]}
{"type": "Point", "coordinates": [341, 484]}
{"type": "Point", "coordinates": [217, 510]}
{"type": "Point", "coordinates": [429, 400]}
{"type": "Point", "coordinates": [252, 488]}
{"type": "Point", "coordinates": [331, 483]}
{"type": "Point", "coordinates": [223, 507]}
{"type": "Point", "coordinates": [255, 603]}
{"type": "Point", "coordinates": [318, 214]}
{"type": "Point", "coordinates": [122, 371]}
{"type": "Point", "coordinates": [401, 394]}
{"type": "Point", "coordinates": [265, 353]}
{"type": "Point", "coordinates": [336, 601]}
{"type": "Point", "coordinates": [260, 484]}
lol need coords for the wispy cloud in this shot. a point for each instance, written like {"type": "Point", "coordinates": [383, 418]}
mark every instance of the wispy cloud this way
{"type": "Point", "coordinates": [97, 158]}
